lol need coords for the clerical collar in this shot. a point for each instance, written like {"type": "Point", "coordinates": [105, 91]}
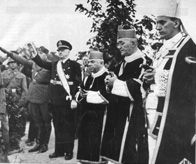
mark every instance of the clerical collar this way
{"type": "Point", "coordinates": [170, 43]}
{"type": "Point", "coordinates": [136, 55]}
{"type": "Point", "coordinates": [99, 73]}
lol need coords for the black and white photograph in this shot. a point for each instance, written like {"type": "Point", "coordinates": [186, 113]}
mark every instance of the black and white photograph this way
{"type": "Point", "coordinates": [98, 81]}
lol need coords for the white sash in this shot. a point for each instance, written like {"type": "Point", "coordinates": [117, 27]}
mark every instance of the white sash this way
{"type": "Point", "coordinates": [63, 79]}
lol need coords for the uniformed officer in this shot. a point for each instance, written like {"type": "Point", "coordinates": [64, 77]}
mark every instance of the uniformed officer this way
{"type": "Point", "coordinates": [65, 78]}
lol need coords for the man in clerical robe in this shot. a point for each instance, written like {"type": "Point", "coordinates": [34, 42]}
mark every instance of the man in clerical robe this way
{"type": "Point", "coordinates": [93, 110]}
{"type": "Point", "coordinates": [125, 135]}
{"type": "Point", "coordinates": [172, 85]}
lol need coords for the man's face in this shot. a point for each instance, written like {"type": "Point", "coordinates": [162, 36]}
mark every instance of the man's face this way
{"type": "Point", "coordinates": [13, 65]}
{"type": "Point", "coordinates": [166, 27]}
{"type": "Point", "coordinates": [94, 65]}
{"type": "Point", "coordinates": [63, 53]}
{"type": "Point", "coordinates": [85, 61]}
{"type": "Point", "coordinates": [125, 46]}
{"type": "Point", "coordinates": [42, 55]}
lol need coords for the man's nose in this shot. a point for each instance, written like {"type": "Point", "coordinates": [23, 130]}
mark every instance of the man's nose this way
{"type": "Point", "coordinates": [118, 46]}
{"type": "Point", "coordinates": [158, 27]}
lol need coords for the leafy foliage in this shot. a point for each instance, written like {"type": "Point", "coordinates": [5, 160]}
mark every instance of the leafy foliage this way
{"type": "Point", "coordinates": [106, 22]}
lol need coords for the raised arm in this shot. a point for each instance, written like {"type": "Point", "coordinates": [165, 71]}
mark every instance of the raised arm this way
{"type": "Point", "coordinates": [44, 64]}
{"type": "Point", "coordinates": [17, 58]}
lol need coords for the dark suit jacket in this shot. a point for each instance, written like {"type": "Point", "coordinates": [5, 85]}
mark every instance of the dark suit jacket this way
{"type": "Point", "coordinates": [57, 94]}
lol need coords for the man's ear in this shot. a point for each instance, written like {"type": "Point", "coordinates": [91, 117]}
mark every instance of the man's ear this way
{"type": "Point", "coordinates": [133, 43]}
{"type": "Point", "coordinates": [102, 62]}
{"type": "Point", "coordinates": [177, 23]}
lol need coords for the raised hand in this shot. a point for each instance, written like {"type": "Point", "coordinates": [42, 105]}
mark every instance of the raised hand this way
{"type": "Point", "coordinates": [5, 51]}
{"type": "Point", "coordinates": [30, 50]}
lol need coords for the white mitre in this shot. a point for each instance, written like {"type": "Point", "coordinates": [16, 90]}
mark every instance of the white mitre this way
{"type": "Point", "coordinates": [182, 9]}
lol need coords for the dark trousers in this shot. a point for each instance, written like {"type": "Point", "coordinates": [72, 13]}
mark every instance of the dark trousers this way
{"type": "Point", "coordinates": [42, 119]}
{"type": "Point", "coordinates": [5, 131]}
{"type": "Point", "coordinates": [32, 134]}
{"type": "Point", "coordinates": [64, 128]}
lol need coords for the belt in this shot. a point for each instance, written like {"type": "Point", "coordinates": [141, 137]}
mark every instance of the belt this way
{"type": "Point", "coordinates": [55, 82]}
{"type": "Point", "coordinates": [42, 83]}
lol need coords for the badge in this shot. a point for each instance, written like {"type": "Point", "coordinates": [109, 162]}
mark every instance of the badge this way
{"type": "Point", "coordinates": [67, 76]}
{"type": "Point", "coordinates": [60, 43]}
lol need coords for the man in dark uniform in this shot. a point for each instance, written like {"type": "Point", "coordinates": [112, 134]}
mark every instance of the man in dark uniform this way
{"type": "Point", "coordinates": [93, 110]}
{"type": "Point", "coordinates": [65, 79]}
{"type": "Point", "coordinates": [15, 88]}
{"type": "Point", "coordinates": [125, 135]}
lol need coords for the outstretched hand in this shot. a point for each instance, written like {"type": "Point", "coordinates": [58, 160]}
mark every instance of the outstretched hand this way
{"type": "Point", "coordinates": [5, 51]}
{"type": "Point", "coordinates": [30, 50]}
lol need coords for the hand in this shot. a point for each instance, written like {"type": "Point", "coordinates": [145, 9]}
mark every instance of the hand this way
{"type": "Point", "coordinates": [83, 93]}
{"type": "Point", "coordinates": [106, 80]}
{"type": "Point", "coordinates": [73, 104]}
{"type": "Point", "coordinates": [148, 76]}
{"type": "Point", "coordinates": [30, 50]}
{"type": "Point", "coordinates": [5, 51]}
{"type": "Point", "coordinates": [111, 81]}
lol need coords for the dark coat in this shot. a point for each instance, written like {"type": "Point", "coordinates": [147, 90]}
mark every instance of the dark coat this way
{"type": "Point", "coordinates": [119, 112]}
{"type": "Point", "coordinates": [178, 120]}
{"type": "Point", "coordinates": [91, 121]}
{"type": "Point", "coordinates": [57, 94]}
{"type": "Point", "coordinates": [63, 115]}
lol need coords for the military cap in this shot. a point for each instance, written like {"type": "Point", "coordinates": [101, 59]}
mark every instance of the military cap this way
{"type": "Point", "coordinates": [43, 49]}
{"type": "Point", "coordinates": [96, 55]}
{"type": "Point", "coordinates": [10, 60]}
{"type": "Point", "coordinates": [63, 44]}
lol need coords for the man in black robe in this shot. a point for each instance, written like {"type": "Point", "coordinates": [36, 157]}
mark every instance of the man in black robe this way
{"type": "Point", "coordinates": [125, 135]}
{"type": "Point", "coordinates": [93, 110]}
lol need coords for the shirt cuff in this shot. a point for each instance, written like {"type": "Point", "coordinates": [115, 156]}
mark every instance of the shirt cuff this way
{"type": "Point", "coordinates": [119, 88]}
{"type": "Point", "coordinates": [94, 97]}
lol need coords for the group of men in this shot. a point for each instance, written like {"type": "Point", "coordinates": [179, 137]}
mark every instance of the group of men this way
{"type": "Point", "coordinates": [113, 106]}
{"type": "Point", "coordinates": [21, 92]}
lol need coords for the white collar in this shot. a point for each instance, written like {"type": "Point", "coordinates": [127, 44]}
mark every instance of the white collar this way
{"type": "Point", "coordinates": [99, 73]}
{"type": "Point", "coordinates": [170, 43]}
{"type": "Point", "coordinates": [136, 55]}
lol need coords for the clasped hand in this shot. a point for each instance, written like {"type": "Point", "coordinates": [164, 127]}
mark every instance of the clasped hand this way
{"type": "Point", "coordinates": [83, 92]}
{"type": "Point", "coordinates": [148, 76]}
{"type": "Point", "coordinates": [109, 80]}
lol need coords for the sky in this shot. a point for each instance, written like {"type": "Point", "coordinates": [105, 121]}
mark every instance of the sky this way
{"type": "Point", "coordinates": [44, 22]}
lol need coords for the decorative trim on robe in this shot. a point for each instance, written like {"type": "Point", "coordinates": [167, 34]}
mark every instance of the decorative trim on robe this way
{"type": "Point", "coordinates": [95, 97]}
{"type": "Point", "coordinates": [120, 89]}
{"type": "Point", "coordinates": [166, 104]}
